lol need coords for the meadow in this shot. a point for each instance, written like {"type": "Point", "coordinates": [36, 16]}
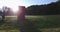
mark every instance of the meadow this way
{"type": "Point", "coordinates": [44, 22]}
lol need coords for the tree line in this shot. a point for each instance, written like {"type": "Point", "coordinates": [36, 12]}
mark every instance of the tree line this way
{"type": "Point", "coordinates": [46, 9]}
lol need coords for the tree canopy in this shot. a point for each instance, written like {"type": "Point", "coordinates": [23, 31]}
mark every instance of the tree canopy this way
{"type": "Point", "coordinates": [46, 9]}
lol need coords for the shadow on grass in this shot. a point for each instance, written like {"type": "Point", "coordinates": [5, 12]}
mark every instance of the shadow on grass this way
{"type": "Point", "coordinates": [30, 26]}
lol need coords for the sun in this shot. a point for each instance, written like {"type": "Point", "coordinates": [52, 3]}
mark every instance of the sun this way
{"type": "Point", "coordinates": [13, 4]}
{"type": "Point", "coordinates": [15, 9]}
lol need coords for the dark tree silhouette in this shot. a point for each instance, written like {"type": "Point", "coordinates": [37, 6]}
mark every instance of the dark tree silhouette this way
{"type": "Point", "coordinates": [46, 9]}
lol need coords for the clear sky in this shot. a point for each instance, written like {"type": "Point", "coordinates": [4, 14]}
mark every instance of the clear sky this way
{"type": "Point", "coordinates": [15, 3]}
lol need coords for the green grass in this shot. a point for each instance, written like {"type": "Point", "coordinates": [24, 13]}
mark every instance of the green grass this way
{"type": "Point", "coordinates": [9, 31]}
{"type": "Point", "coordinates": [50, 29]}
{"type": "Point", "coordinates": [41, 20]}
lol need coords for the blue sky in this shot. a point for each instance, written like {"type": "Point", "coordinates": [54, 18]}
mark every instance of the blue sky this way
{"type": "Point", "coordinates": [37, 2]}
{"type": "Point", "coordinates": [15, 3]}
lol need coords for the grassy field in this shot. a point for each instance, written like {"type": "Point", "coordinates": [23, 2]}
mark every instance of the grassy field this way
{"type": "Point", "coordinates": [47, 22]}
{"type": "Point", "coordinates": [9, 30]}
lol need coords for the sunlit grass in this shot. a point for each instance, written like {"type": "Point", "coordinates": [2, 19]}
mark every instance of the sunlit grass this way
{"type": "Point", "coordinates": [55, 19]}
{"type": "Point", "coordinates": [11, 17]}
{"type": "Point", "coordinates": [9, 31]}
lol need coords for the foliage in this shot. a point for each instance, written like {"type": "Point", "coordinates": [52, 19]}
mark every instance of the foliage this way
{"type": "Point", "coordinates": [46, 9]}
